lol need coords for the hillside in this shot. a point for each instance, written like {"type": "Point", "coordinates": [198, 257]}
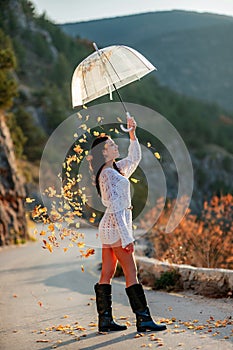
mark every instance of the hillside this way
{"type": "Point", "coordinates": [193, 52]}
{"type": "Point", "coordinates": [46, 58]}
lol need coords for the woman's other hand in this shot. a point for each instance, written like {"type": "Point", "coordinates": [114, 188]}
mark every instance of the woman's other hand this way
{"type": "Point", "coordinates": [129, 248]}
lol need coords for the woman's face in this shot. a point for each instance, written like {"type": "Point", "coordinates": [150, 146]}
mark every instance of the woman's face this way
{"type": "Point", "coordinates": [110, 151]}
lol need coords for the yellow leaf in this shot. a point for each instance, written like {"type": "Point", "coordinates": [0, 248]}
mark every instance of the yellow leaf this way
{"type": "Point", "coordinates": [47, 246]}
{"type": "Point", "coordinates": [83, 126]}
{"type": "Point", "coordinates": [42, 233]}
{"type": "Point", "coordinates": [148, 144]}
{"type": "Point", "coordinates": [29, 200]}
{"type": "Point", "coordinates": [96, 133]}
{"type": "Point", "coordinates": [66, 206]}
{"type": "Point", "coordinates": [85, 107]}
{"type": "Point", "coordinates": [157, 155]}
{"type": "Point", "coordinates": [134, 180]}
{"type": "Point", "coordinates": [82, 268]}
{"type": "Point", "coordinates": [51, 227]}
{"type": "Point", "coordinates": [89, 252]}
{"type": "Point", "coordinates": [81, 244]}
{"type": "Point", "coordinates": [65, 249]}
{"type": "Point", "coordinates": [78, 149]}
{"type": "Point", "coordinates": [92, 324]}
{"type": "Point", "coordinates": [99, 119]}
{"type": "Point", "coordinates": [75, 135]}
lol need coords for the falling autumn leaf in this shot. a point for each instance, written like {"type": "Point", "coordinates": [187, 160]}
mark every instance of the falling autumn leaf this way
{"type": "Point", "coordinates": [29, 200]}
{"type": "Point", "coordinates": [47, 246]}
{"type": "Point", "coordinates": [51, 227]}
{"type": "Point", "coordinates": [157, 155]}
{"type": "Point", "coordinates": [134, 180]}
{"type": "Point", "coordinates": [78, 149]}
{"type": "Point", "coordinates": [42, 233]}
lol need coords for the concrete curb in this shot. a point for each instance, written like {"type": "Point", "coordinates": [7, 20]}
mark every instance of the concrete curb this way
{"type": "Point", "coordinates": [203, 281]}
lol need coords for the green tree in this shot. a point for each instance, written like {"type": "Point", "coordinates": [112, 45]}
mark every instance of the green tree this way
{"type": "Point", "coordinates": [8, 86]}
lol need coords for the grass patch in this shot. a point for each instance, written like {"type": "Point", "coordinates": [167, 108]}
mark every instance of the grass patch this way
{"type": "Point", "coordinates": [169, 280]}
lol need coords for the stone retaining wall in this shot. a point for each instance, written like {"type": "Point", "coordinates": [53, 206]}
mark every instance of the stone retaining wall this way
{"type": "Point", "coordinates": [204, 281]}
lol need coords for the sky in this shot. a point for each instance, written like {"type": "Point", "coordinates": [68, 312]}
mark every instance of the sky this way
{"type": "Point", "coordinates": [64, 11]}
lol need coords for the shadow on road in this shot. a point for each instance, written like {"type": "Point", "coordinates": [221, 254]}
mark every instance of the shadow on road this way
{"type": "Point", "coordinates": [100, 341]}
{"type": "Point", "coordinates": [83, 285]}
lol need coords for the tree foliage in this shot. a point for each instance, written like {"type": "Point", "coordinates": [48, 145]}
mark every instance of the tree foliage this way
{"type": "Point", "coordinates": [8, 86]}
{"type": "Point", "coordinates": [204, 241]}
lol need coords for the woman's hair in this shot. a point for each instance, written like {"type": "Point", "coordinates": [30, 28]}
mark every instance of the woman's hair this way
{"type": "Point", "coordinates": [98, 160]}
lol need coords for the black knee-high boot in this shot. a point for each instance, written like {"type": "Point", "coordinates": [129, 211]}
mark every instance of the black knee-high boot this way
{"type": "Point", "coordinates": [104, 308]}
{"type": "Point", "coordinates": [139, 306]}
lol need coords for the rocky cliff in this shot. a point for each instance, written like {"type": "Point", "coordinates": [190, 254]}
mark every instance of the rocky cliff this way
{"type": "Point", "coordinates": [13, 227]}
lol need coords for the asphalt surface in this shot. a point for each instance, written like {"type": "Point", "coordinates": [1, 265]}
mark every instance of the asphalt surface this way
{"type": "Point", "coordinates": [47, 301]}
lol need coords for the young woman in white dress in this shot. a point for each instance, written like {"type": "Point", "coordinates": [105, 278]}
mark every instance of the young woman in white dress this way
{"type": "Point", "coordinates": [115, 230]}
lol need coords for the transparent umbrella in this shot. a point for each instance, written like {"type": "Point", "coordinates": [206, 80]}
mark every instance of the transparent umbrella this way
{"type": "Point", "coordinates": [106, 70]}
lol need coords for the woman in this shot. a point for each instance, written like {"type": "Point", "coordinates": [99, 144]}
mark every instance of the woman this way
{"type": "Point", "coordinates": [115, 229]}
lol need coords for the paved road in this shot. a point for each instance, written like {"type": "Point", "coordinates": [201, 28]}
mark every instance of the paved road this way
{"type": "Point", "coordinates": [46, 302]}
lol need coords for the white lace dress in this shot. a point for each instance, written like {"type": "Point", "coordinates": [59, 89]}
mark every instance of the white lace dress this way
{"type": "Point", "coordinates": [116, 224]}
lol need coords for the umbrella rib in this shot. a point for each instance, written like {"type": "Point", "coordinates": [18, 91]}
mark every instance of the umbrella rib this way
{"type": "Point", "coordinates": [84, 82]}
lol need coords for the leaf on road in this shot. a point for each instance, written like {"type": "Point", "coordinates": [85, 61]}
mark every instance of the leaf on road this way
{"type": "Point", "coordinates": [43, 341]}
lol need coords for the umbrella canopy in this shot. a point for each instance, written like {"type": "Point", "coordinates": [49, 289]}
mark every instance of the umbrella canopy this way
{"type": "Point", "coordinates": [106, 70]}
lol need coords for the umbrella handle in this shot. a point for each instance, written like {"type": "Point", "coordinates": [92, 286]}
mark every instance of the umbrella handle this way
{"type": "Point", "coordinates": [125, 129]}
{"type": "Point", "coordinates": [122, 126]}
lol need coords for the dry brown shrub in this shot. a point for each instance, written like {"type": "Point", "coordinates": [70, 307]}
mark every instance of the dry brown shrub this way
{"type": "Point", "coordinates": [205, 241]}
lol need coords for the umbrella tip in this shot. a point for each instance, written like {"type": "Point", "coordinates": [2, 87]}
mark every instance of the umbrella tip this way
{"type": "Point", "coordinates": [95, 46]}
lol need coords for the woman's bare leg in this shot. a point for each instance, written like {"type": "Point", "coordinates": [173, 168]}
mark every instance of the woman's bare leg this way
{"type": "Point", "coordinates": [128, 265]}
{"type": "Point", "coordinates": [109, 262]}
